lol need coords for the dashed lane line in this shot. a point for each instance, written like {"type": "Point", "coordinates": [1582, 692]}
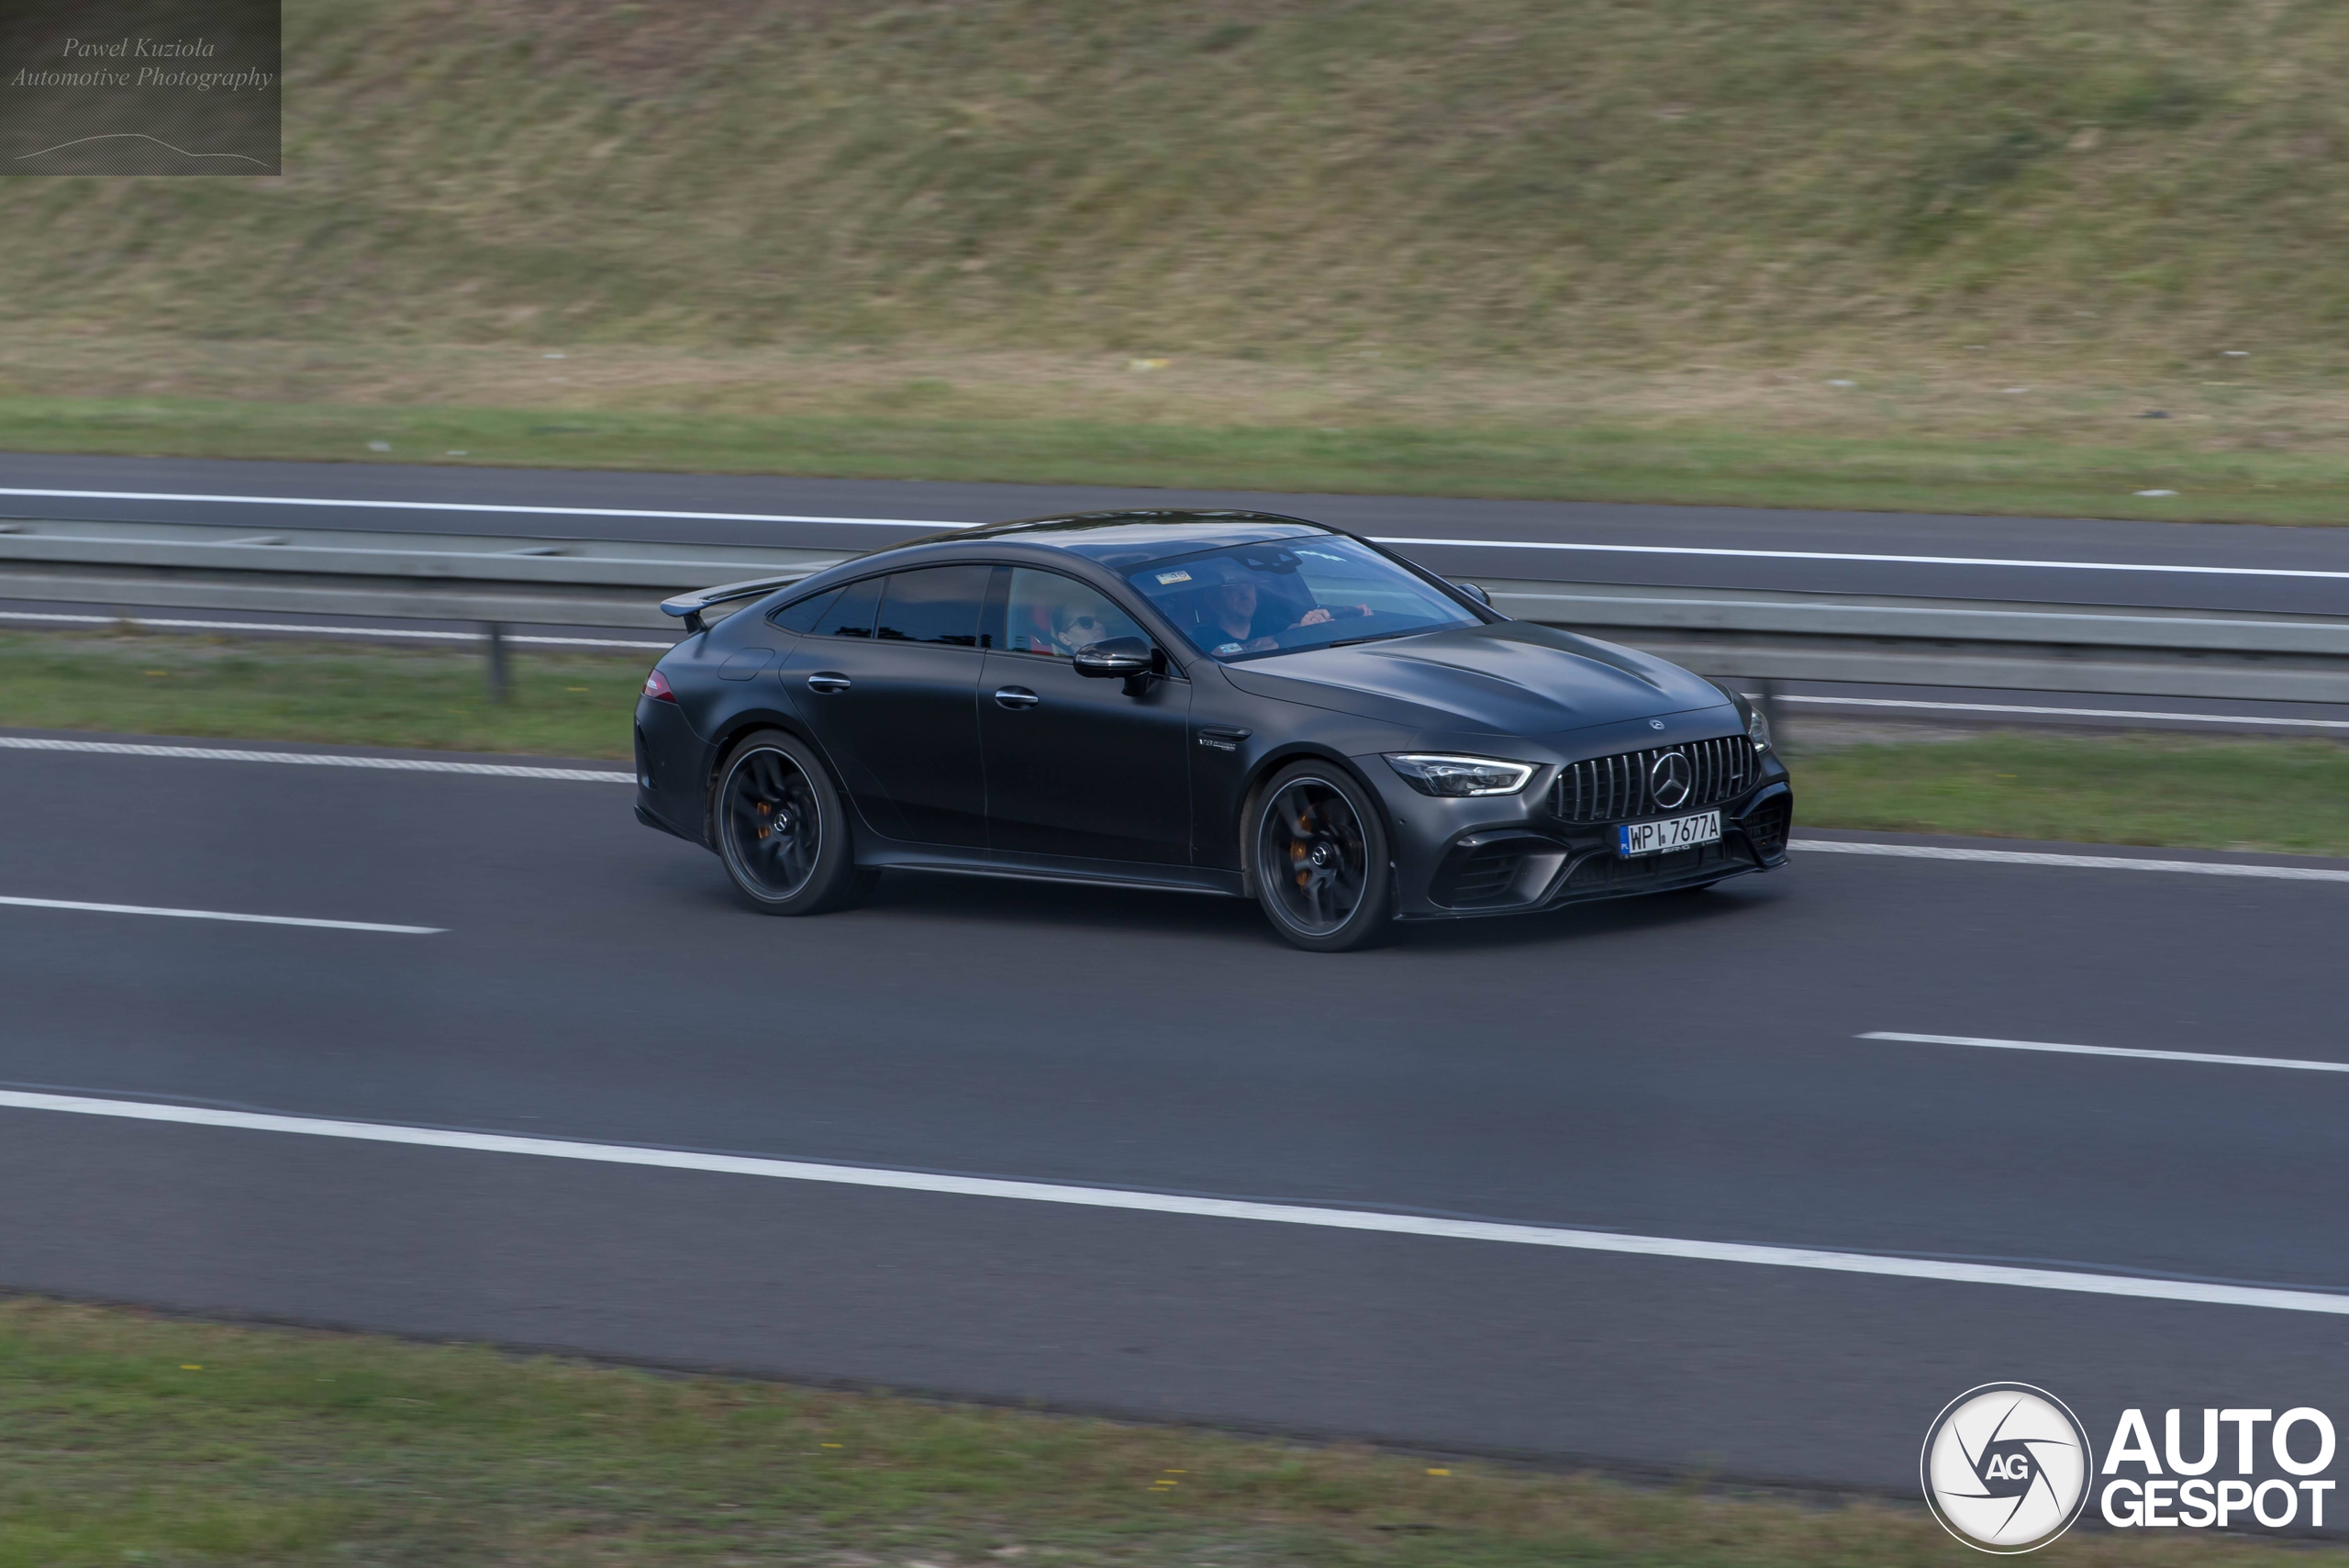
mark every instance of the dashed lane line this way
{"type": "Point", "coordinates": [78, 907]}
{"type": "Point", "coordinates": [313, 759]}
{"type": "Point", "coordinates": [2290, 1063]}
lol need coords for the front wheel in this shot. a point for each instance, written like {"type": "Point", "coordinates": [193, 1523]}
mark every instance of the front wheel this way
{"type": "Point", "coordinates": [781, 828]}
{"type": "Point", "coordinates": [1320, 859]}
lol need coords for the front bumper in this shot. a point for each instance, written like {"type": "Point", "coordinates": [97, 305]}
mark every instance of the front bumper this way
{"type": "Point", "coordinates": [1507, 855]}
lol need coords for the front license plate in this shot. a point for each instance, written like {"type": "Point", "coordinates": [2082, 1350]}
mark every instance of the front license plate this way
{"type": "Point", "coordinates": [1672, 833]}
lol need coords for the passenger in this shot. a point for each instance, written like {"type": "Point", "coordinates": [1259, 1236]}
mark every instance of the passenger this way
{"type": "Point", "coordinates": [1075, 629]}
{"type": "Point", "coordinates": [1061, 623]}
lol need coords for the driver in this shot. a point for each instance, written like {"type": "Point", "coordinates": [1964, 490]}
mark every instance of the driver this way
{"type": "Point", "coordinates": [1229, 618]}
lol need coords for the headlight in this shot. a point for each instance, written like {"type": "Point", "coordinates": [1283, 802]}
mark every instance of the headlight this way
{"type": "Point", "coordinates": [1434, 774]}
{"type": "Point", "coordinates": [1757, 728]}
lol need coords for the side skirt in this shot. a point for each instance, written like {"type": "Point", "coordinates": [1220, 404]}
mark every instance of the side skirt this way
{"type": "Point", "coordinates": [1043, 868]}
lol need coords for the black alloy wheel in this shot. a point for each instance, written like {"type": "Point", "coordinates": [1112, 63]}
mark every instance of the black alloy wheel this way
{"type": "Point", "coordinates": [1320, 859]}
{"type": "Point", "coordinates": [781, 829]}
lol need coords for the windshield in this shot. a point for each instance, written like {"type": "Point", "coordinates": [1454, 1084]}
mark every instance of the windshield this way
{"type": "Point", "coordinates": [1250, 600]}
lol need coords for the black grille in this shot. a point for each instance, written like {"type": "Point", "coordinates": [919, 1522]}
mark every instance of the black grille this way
{"type": "Point", "coordinates": [1617, 788]}
{"type": "Point", "coordinates": [1485, 875]}
{"type": "Point", "coordinates": [1765, 829]}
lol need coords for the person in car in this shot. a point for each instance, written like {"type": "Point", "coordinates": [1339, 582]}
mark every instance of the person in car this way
{"type": "Point", "coordinates": [1232, 614]}
{"type": "Point", "coordinates": [1060, 619]}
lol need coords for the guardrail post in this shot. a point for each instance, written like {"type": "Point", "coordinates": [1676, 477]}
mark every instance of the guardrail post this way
{"type": "Point", "coordinates": [1774, 713]}
{"type": "Point", "coordinates": [497, 672]}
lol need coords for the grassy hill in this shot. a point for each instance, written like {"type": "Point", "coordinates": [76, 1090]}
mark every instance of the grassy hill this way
{"type": "Point", "coordinates": [1672, 208]}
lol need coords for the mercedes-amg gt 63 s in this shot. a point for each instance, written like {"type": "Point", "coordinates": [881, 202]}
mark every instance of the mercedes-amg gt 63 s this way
{"type": "Point", "coordinates": [1212, 702]}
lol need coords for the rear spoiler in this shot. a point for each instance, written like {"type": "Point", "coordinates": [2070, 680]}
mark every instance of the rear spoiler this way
{"type": "Point", "coordinates": [689, 607]}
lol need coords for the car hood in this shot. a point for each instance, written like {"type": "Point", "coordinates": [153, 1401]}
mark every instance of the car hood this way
{"type": "Point", "coordinates": [1510, 678]}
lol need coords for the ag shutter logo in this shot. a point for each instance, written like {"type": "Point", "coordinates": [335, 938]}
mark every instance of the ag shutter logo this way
{"type": "Point", "coordinates": [2007, 1467]}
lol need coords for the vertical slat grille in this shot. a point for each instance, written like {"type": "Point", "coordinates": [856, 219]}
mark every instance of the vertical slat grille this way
{"type": "Point", "coordinates": [1617, 788]}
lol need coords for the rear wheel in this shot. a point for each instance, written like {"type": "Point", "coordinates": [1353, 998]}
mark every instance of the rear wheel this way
{"type": "Point", "coordinates": [782, 830]}
{"type": "Point", "coordinates": [1319, 854]}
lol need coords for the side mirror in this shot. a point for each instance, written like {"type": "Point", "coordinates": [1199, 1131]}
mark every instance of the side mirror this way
{"type": "Point", "coordinates": [1475, 593]}
{"type": "Point", "coordinates": [1115, 659]}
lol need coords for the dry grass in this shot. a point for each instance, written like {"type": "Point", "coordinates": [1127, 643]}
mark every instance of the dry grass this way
{"type": "Point", "coordinates": [1637, 246]}
{"type": "Point", "coordinates": [132, 1439]}
{"type": "Point", "coordinates": [2115, 188]}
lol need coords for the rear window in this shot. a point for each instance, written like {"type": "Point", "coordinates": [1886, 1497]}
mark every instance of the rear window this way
{"type": "Point", "coordinates": [802, 614]}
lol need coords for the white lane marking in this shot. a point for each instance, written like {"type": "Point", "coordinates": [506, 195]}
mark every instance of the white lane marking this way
{"type": "Point", "coordinates": [1462, 543]}
{"type": "Point", "coordinates": [2084, 863]}
{"type": "Point", "coordinates": [1892, 559]}
{"type": "Point", "coordinates": [2298, 1064]}
{"type": "Point", "coordinates": [1378, 1221]}
{"type": "Point", "coordinates": [220, 914]}
{"type": "Point", "coordinates": [328, 630]}
{"type": "Point", "coordinates": [2078, 712]}
{"type": "Point", "coordinates": [477, 506]}
{"type": "Point", "coordinates": [312, 760]}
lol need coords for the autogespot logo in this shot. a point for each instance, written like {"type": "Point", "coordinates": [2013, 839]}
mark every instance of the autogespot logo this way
{"type": "Point", "coordinates": [2007, 1467]}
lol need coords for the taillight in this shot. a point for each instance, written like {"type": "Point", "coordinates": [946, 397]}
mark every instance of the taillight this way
{"type": "Point", "coordinates": [656, 687]}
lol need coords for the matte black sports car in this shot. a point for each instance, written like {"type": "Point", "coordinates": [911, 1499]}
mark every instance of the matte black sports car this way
{"type": "Point", "coordinates": [1216, 701]}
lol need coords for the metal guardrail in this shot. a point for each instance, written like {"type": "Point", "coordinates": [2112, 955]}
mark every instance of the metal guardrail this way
{"type": "Point", "coordinates": [1746, 634]}
{"type": "Point", "coordinates": [1888, 641]}
{"type": "Point", "coordinates": [543, 581]}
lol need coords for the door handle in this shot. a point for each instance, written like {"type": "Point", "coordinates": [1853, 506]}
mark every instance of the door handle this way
{"type": "Point", "coordinates": [828, 681]}
{"type": "Point", "coordinates": [1016, 697]}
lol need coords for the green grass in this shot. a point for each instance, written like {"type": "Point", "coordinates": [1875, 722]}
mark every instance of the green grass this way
{"type": "Point", "coordinates": [561, 704]}
{"type": "Point", "coordinates": [2291, 796]}
{"type": "Point", "coordinates": [2287, 796]}
{"type": "Point", "coordinates": [2030, 476]}
{"type": "Point", "coordinates": [136, 1440]}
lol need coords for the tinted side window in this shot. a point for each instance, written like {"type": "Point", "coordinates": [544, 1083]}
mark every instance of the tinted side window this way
{"type": "Point", "coordinates": [803, 615]}
{"type": "Point", "coordinates": [850, 615]}
{"type": "Point", "coordinates": [934, 603]}
{"type": "Point", "coordinates": [1047, 613]}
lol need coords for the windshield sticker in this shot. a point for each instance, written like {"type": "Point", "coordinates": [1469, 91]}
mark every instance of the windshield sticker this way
{"type": "Point", "coordinates": [1167, 577]}
{"type": "Point", "coordinates": [1227, 647]}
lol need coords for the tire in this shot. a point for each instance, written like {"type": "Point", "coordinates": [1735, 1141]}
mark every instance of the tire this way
{"type": "Point", "coordinates": [807, 866]}
{"type": "Point", "coordinates": [1319, 848]}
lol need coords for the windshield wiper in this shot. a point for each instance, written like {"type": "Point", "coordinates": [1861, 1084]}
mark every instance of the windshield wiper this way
{"type": "Point", "coordinates": [1374, 637]}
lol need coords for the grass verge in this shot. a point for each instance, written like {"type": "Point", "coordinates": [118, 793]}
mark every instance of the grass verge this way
{"type": "Point", "coordinates": [152, 683]}
{"type": "Point", "coordinates": [139, 1440]}
{"type": "Point", "coordinates": [2289, 796]}
{"type": "Point", "coordinates": [2283, 795]}
{"type": "Point", "coordinates": [1691, 462]}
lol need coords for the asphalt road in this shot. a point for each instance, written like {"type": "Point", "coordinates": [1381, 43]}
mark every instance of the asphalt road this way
{"type": "Point", "coordinates": [1686, 1068]}
{"type": "Point", "coordinates": [750, 509]}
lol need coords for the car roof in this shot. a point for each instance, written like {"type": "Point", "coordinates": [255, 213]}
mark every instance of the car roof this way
{"type": "Point", "coordinates": [1133, 537]}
